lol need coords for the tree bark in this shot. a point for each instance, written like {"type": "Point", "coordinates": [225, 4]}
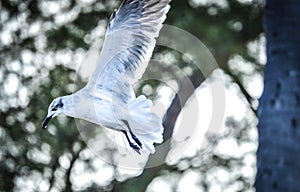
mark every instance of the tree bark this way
{"type": "Point", "coordinates": [278, 155]}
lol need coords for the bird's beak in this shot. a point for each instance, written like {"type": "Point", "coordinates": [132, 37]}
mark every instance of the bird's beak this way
{"type": "Point", "coordinates": [46, 121]}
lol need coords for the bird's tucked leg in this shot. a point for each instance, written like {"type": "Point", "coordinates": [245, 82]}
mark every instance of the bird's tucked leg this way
{"type": "Point", "coordinates": [132, 134]}
{"type": "Point", "coordinates": [132, 145]}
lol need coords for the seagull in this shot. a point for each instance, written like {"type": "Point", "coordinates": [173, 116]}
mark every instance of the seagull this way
{"type": "Point", "coordinates": [108, 98]}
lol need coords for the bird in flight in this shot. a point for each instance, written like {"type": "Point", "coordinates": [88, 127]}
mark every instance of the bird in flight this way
{"type": "Point", "coordinates": [108, 98]}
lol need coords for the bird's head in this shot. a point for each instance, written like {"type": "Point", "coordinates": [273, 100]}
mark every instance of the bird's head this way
{"type": "Point", "coordinates": [55, 108]}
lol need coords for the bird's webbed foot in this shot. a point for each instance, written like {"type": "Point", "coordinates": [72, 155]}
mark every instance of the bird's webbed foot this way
{"type": "Point", "coordinates": [132, 145]}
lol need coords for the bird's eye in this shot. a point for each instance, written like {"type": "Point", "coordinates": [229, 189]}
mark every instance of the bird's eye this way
{"type": "Point", "coordinates": [54, 109]}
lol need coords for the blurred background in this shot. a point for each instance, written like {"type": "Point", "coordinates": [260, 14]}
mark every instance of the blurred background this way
{"type": "Point", "coordinates": [43, 42]}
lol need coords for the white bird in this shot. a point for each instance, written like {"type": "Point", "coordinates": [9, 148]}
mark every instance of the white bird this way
{"type": "Point", "coordinates": [108, 98]}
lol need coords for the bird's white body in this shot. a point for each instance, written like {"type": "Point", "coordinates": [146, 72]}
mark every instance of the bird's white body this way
{"type": "Point", "coordinates": [94, 109]}
{"type": "Point", "coordinates": [108, 98]}
{"type": "Point", "coordinates": [105, 112]}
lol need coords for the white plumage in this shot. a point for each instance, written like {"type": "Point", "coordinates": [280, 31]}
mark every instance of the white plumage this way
{"type": "Point", "coordinates": [108, 98]}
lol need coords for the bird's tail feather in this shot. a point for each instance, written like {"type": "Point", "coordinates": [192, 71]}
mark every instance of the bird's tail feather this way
{"type": "Point", "coordinates": [144, 124]}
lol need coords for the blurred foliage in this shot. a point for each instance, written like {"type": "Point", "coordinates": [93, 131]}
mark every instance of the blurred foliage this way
{"type": "Point", "coordinates": [35, 38]}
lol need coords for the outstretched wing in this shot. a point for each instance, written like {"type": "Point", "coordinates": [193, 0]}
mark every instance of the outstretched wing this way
{"type": "Point", "coordinates": [128, 46]}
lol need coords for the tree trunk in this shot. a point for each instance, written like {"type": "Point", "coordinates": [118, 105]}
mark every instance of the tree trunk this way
{"type": "Point", "coordinates": [278, 155]}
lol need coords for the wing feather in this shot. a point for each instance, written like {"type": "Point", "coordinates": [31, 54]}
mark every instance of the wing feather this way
{"type": "Point", "coordinates": [127, 48]}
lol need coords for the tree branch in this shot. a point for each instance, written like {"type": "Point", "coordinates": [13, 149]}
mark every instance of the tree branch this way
{"type": "Point", "coordinates": [247, 96]}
